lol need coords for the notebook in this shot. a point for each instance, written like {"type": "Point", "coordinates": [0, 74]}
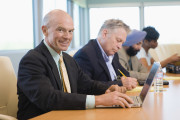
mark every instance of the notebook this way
{"type": "Point", "coordinates": [139, 100]}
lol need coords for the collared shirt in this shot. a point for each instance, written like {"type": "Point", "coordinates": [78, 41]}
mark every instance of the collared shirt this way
{"type": "Point", "coordinates": [90, 99]}
{"type": "Point", "coordinates": [108, 60]}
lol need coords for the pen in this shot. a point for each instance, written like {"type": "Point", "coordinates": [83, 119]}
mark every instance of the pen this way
{"type": "Point", "coordinates": [122, 73]}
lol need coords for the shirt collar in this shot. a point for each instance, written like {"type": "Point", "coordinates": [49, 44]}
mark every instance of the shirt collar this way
{"type": "Point", "coordinates": [106, 58]}
{"type": "Point", "coordinates": [54, 54]}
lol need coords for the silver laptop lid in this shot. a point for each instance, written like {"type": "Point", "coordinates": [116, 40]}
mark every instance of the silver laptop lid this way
{"type": "Point", "coordinates": [149, 80]}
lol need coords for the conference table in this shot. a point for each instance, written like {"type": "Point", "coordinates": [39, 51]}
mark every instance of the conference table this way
{"type": "Point", "coordinates": [157, 106]}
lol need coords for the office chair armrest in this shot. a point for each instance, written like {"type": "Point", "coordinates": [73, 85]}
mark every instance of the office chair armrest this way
{"type": "Point", "coordinates": [6, 117]}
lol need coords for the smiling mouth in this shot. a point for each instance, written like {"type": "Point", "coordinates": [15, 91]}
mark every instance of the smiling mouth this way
{"type": "Point", "coordinates": [64, 43]}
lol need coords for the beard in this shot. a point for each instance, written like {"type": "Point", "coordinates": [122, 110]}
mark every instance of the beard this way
{"type": "Point", "coordinates": [131, 51]}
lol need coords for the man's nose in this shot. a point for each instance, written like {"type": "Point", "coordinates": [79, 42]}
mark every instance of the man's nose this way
{"type": "Point", "coordinates": [119, 46]}
{"type": "Point", "coordinates": [66, 35]}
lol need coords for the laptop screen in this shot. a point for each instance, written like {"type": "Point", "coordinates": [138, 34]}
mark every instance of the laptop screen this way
{"type": "Point", "coordinates": [149, 80]}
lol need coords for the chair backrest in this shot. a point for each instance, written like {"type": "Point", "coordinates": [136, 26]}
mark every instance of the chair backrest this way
{"type": "Point", "coordinates": [164, 51]}
{"type": "Point", "coordinates": [8, 88]}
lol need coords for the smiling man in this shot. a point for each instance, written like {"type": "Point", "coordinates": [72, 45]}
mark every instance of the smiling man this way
{"type": "Point", "coordinates": [49, 79]}
{"type": "Point", "coordinates": [99, 57]}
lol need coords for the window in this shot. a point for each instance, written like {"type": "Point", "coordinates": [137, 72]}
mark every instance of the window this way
{"type": "Point", "coordinates": [76, 40]}
{"type": "Point", "coordinates": [16, 24]}
{"type": "Point", "coordinates": [166, 20]}
{"type": "Point", "coordinates": [49, 5]}
{"type": "Point", "coordinates": [129, 15]}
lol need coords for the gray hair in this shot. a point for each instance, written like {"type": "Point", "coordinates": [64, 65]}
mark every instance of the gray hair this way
{"type": "Point", "coordinates": [113, 24]}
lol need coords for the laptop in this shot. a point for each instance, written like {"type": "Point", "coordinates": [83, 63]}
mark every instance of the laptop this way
{"type": "Point", "coordinates": [139, 100]}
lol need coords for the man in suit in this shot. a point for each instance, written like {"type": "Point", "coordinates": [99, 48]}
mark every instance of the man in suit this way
{"type": "Point", "coordinates": [41, 79]}
{"type": "Point", "coordinates": [98, 58]}
{"type": "Point", "coordinates": [128, 58]}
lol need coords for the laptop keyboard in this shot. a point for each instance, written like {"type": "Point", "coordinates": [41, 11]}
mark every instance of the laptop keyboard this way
{"type": "Point", "coordinates": [135, 99]}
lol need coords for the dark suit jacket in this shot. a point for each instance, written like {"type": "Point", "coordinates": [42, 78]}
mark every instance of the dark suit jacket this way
{"type": "Point", "coordinates": [39, 86]}
{"type": "Point", "coordinates": [92, 62]}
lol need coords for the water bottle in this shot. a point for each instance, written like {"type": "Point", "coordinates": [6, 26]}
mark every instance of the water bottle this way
{"type": "Point", "coordinates": [158, 82]}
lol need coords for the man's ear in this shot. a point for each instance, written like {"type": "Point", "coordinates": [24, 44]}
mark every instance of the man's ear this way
{"type": "Point", "coordinates": [145, 41]}
{"type": "Point", "coordinates": [44, 30]}
{"type": "Point", "coordinates": [104, 33]}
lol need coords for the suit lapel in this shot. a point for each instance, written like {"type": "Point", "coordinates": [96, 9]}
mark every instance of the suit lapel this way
{"type": "Point", "coordinates": [124, 57]}
{"type": "Point", "coordinates": [134, 66]}
{"type": "Point", "coordinates": [52, 64]}
{"type": "Point", "coordinates": [101, 59]}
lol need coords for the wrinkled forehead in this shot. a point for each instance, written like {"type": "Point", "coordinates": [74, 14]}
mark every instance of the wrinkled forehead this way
{"type": "Point", "coordinates": [64, 23]}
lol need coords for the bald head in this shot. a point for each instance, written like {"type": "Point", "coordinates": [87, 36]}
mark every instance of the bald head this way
{"type": "Point", "coordinates": [53, 15]}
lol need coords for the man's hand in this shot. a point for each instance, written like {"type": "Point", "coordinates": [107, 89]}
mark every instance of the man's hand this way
{"type": "Point", "coordinates": [116, 88]}
{"type": "Point", "coordinates": [129, 83]}
{"type": "Point", "coordinates": [113, 98]}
